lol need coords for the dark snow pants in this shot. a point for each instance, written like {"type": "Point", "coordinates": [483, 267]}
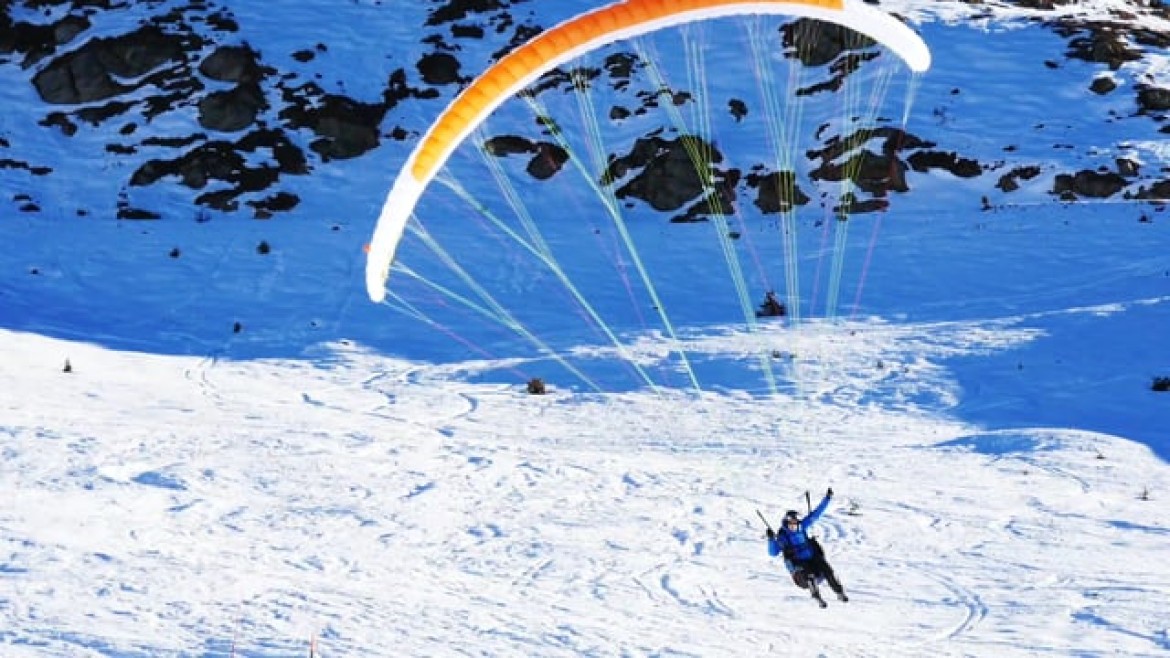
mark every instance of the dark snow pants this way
{"type": "Point", "coordinates": [816, 566]}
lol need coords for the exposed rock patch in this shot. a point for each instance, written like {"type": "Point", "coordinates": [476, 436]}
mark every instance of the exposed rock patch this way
{"type": "Point", "coordinates": [180, 61]}
{"type": "Point", "coordinates": [777, 191]}
{"type": "Point", "coordinates": [1090, 184]}
{"type": "Point", "coordinates": [1010, 181]}
{"type": "Point", "coordinates": [663, 172]}
{"type": "Point", "coordinates": [547, 158]}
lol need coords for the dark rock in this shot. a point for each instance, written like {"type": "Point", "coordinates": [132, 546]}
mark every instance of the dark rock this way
{"type": "Point", "coordinates": [851, 205]}
{"type": "Point", "coordinates": [1102, 85]}
{"type": "Point", "coordinates": [738, 109]}
{"type": "Point", "coordinates": [223, 161]}
{"type": "Point", "coordinates": [290, 159]}
{"type": "Point", "coordinates": [668, 178]}
{"type": "Point", "coordinates": [776, 191]}
{"type": "Point", "coordinates": [59, 120]}
{"type": "Point", "coordinates": [962, 167]}
{"type": "Point", "coordinates": [874, 173]}
{"type": "Point", "coordinates": [1095, 41]}
{"type": "Point", "coordinates": [456, 10]}
{"type": "Point", "coordinates": [503, 145]}
{"type": "Point", "coordinates": [439, 69]}
{"type": "Point", "coordinates": [174, 142]}
{"type": "Point", "coordinates": [222, 200]}
{"type": "Point", "coordinates": [6, 163]}
{"type": "Point", "coordinates": [467, 31]}
{"type": "Point", "coordinates": [38, 41]}
{"type": "Point", "coordinates": [137, 214]}
{"type": "Point", "coordinates": [1127, 167]}
{"type": "Point", "coordinates": [621, 67]}
{"type": "Point", "coordinates": [1159, 191]}
{"type": "Point", "coordinates": [346, 128]}
{"type": "Point", "coordinates": [816, 43]}
{"type": "Point", "coordinates": [238, 64]}
{"type": "Point", "coordinates": [213, 160]}
{"type": "Point", "coordinates": [279, 202]}
{"type": "Point", "coordinates": [223, 22]}
{"type": "Point", "coordinates": [581, 77]}
{"type": "Point", "coordinates": [549, 160]}
{"type": "Point", "coordinates": [232, 110]}
{"type": "Point", "coordinates": [715, 203]}
{"type": "Point", "coordinates": [88, 73]}
{"type": "Point", "coordinates": [1087, 183]}
{"type": "Point", "coordinates": [1153, 99]}
{"type": "Point", "coordinates": [1009, 181]}
{"type": "Point", "coordinates": [79, 78]}
{"type": "Point", "coordinates": [95, 115]}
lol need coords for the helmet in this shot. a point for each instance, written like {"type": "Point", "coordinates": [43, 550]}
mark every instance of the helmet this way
{"type": "Point", "coordinates": [791, 514]}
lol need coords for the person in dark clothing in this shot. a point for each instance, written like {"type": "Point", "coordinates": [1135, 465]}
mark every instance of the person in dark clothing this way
{"type": "Point", "coordinates": [803, 555]}
{"type": "Point", "coordinates": [772, 307]}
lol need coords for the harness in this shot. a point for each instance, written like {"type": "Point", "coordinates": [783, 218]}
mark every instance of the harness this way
{"type": "Point", "coordinates": [788, 549]}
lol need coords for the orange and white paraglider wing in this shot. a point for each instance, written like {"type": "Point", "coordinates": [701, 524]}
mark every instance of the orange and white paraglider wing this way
{"type": "Point", "coordinates": [570, 40]}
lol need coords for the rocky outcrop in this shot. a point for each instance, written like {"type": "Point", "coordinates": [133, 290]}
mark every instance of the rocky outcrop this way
{"type": "Point", "coordinates": [1090, 184]}
{"type": "Point", "coordinates": [186, 58]}
{"type": "Point", "coordinates": [1010, 182]}
{"type": "Point", "coordinates": [91, 72]}
{"type": "Point", "coordinates": [661, 172]}
{"type": "Point", "coordinates": [1159, 191]}
{"type": "Point", "coordinates": [1153, 100]}
{"type": "Point", "coordinates": [776, 191]}
{"type": "Point", "coordinates": [547, 159]}
{"type": "Point", "coordinates": [254, 124]}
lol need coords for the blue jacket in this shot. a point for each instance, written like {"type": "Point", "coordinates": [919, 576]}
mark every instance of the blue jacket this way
{"type": "Point", "coordinates": [797, 540]}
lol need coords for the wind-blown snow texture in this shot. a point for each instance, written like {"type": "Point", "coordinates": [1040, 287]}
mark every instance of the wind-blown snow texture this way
{"type": "Point", "coordinates": [989, 430]}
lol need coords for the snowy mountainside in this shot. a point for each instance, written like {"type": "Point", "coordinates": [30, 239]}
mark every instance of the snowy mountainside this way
{"type": "Point", "coordinates": [238, 111]}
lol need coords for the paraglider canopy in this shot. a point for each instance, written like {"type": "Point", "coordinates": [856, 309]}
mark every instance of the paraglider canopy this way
{"type": "Point", "coordinates": [569, 40]}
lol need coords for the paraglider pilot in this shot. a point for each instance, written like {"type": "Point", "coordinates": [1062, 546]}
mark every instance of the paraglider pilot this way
{"type": "Point", "coordinates": [772, 307]}
{"type": "Point", "coordinates": [803, 556]}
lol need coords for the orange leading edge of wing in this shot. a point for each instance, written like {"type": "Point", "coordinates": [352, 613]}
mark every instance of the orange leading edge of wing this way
{"type": "Point", "coordinates": [548, 44]}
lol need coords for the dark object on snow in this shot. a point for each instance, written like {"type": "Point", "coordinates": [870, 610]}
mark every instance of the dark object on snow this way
{"type": "Point", "coordinates": [536, 386]}
{"type": "Point", "coordinates": [68, 366]}
{"type": "Point", "coordinates": [772, 307]}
